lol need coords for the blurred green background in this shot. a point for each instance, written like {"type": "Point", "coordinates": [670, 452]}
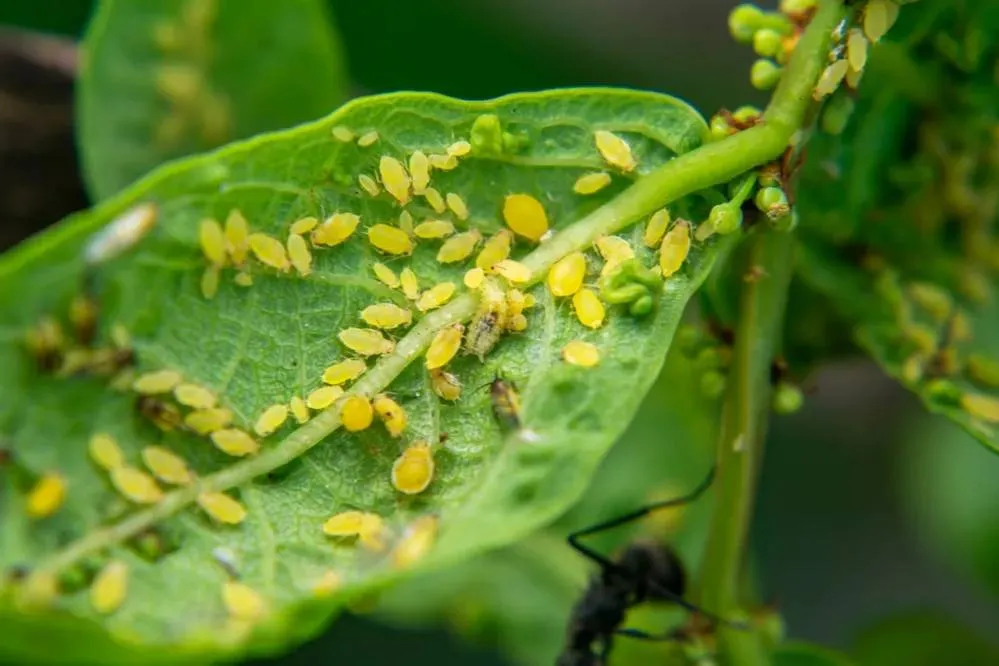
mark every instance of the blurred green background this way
{"type": "Point", "coordinates": [867, 508]}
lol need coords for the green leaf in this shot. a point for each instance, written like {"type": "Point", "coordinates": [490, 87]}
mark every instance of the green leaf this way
{"type": "Point", "coordinates": [168, 78]}
{"type": "Point", "coordinates": [922, 639]}
{"type": "Point", "coordinates": [264, 344]}
{"type": "Point", "coordinates": [799, 653]}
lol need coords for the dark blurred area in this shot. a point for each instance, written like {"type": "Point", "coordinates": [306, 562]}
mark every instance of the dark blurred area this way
{"type": "Point", "coordinates": [837, 539]}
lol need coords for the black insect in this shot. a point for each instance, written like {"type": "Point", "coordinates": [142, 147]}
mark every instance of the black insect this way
{"type": "Point", "coordinates": [643, 572]}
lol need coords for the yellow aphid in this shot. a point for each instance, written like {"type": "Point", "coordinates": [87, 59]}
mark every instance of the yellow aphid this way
{"type": "Point", "coordinates": [341, 133]}
{"type": "Point", "coordinates": [614, 150]}
{"type": "Point", "coordinates": [445, 384]}
{"type": "Point", "coordinates": [581, 353]}
{"type": "Point", "coordinates": [416, 542]}
{"type": "Point", "coordinates": [299, 409]}
{"type": "Point", "coordinates": [110, 585]}
{"type": "Point", "coordinates": [459, 148]}
{"type": "Point", "coordinates": [327, 584]}
{"type": "Point", "coordinates": [156, 382]}
{"type": "Point", "coordinates": [386, 276]}
{"type": "Point", "coordinates": [344, 524]}
{"type": "Point", "coordinates": [391, 413]}
{"type": "Point", "coordinates": [204, 421]}
{"type": "Point", "coordinates": [336, 229]}
{"type": "Point", "coordinates": [394, 178]}
{"type": "Point", "coordinates": [656, 228]}
{"type": "Point", "coordinates": [222, 508]}
{"type": "Point", "coordinates": [46, 496]}
{"type": "Point", "coordinates": [166, 466]}
{"type": "Point", "coordinates": [243, 602]}
{"type": "Point", "coordinates": [269, 251]}
{"type": "Point", "coordinates": [410, 285]}
{"type": "Point", "coordinates": [104, 451]}
{"type": "Point", "coordinates": [121, 233]}
{"type": "Point", "coordinates": [590, 183]}
{"type": "Point", "coordinates": [356, 413]}
{"type": "Point", "coordinates": [433, 229]}
{"type": "Point", "coordinates": [519, 301]}
{"type": "Point", "coordinates": [419, 170]}
{"type": "Point", "coordinates": [879, 16]}
{"type": "Point", "coordinates": [212, 241]}
{"type": "Point", "coordinates": [830, 79]}
{"type": "Point", "coordinates": [243, 279]}
{"type": "Point", "coordinates": [675, 248]}
{"type": "Point", "coordinates": [853, 78]}
{"type": "Point", "coordinates": [525, 215]}
{"type": "Point", "coordinates": [443, 162]}
{"type": "Point", "coordinates": [406, 222]}
{"type": "Point", "coordinates": [517, 323]}
{"type": "Point", "coordinates": [372, 533]}
{"type": "Point", "coordinates": [210, 282]}
{"type": "Point", "coordinates": [614, 250]}
{"type": "Point", "coordinates": [413, 471]}
{"type": "Point", "coordinates": [369, 185]}
{"type": "Point", "coordinates": [323, 397]}
{"type": "Point", "coordinates": [390, 240]}
{"type": "Point", "coordinates": [194, 396]}
{"type": "Point", "coordinates": [489, 321]}
{"type": "Point", "coordinates": [435, 200]}
{"type": "Point", "coordinates": [980, 406]}
{"type": "Point", "coordinates": [271, 419]}
{"type": "Point", "coordinates": [136, 485]}
{"type": "Point", "coordinates": [457, 205]}
{"type": "Point", "coordinates": [298, 252]}
{"type": "Point", "coordinates": [344, 371]}
{"type": "Point", "coordinates": [386, 316]}
{"type": "Point", "coordinates": [304, 225]}
{"type": "Point", "coordinates": [367, 139]}
{"type": "Point", "coordinates": [589, 309]}
{"type": "Point", "coordinates": [435, 297]}
{"type": "Point", "coordinates": [495, 250]}
{"type": "Point", "coordinates": [366, 341]}
{"type": "Point", "coordinates": [473, 278]}
{"type": "Point", "coordinates": [566, 276]}
{"type": "Point", "coordinates": [237, 236]}
{"type": "Point", "coordinates": [459, 247]}
{"type": "Point", "coordinates": [234, 442]}
{"type": "Point", "coordinates": [514, 271]}
{"type": "Point", "coordinates": [444, 346]}
{"type": "Point", "coordinates": [856, 49]}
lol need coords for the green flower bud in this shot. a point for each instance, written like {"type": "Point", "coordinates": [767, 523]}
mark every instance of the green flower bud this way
{"type": "Point", "coordinates": [772, 202]}
{"type": "Point", "coordinates": [712, 384]}
{"type": "Point", "coordinates": [744, 21]}
{"type": "Point", "coordinates": [767, 43]}
{"type": "Point", "coordinates": [720, 127]}
{"type": "Point", "coordinates": [764, 74]}
{"type": "Point", "coordinates": [747, 114]}
{"type": "Point", "coordinates": [787, 398]}
{"type": "Point", "coordinates": [792, 7]}
{"type": "Point", "coordinates": [725, 218]}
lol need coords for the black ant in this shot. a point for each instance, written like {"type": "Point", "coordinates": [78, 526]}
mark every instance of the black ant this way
{"type": "Point", "coordinates": [643, 572]}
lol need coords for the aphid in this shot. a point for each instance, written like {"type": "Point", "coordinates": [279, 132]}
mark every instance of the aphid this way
{"type": "Point", "coordinates": [578, 352]}
{"type": "Point", "coordinates": [416, 542]}
{"type": "Point", "coordinates": [356, 413]}
{"type": "Point", "coordinates": [435, 297]}
{"type": "Point", "coordinates": [656, 228]}
{"type": "Point", "coordinates": [121, 233]}
{"type": "Point", "coordinates": [156, 382]}
{"type": "Point", "coordinates": [104, 451]}
{"type": "Point", "coordinates": [419, 169]}
{"type": "Point", "coordinates": [212, 241]}
{"type": "Point", "coordinates": [222, 508]}
{"type": "Point", "coordinates": [47, 343]}
{"type": "Point", "coordinates": [980, 406]}
{"type": "Point", "coordinates": [368, 527]}
{"type": "Point", "coordinates": [342, 133]}
{"type": "Point", "coordinates": [830, 79]}
{"type": "Point", "coordinates": [444, 346]}
{"type": "Point", "coordinates": [164, 415]}
{"type": "Point", "coordinates": [394, 178]}
{"type": "Point", "coordinates": [413, 471]}
{"type": "Point", "coordinates": [210, 282]}
{"type": "Point", "coordinates": [406, 222]}
{"type": "Point", "coordinates": [675, 248]}
{"type": "Point", "coordinates": [391, 413]}
{"type": "Point", "coordinates": [433, 229]}
{"type": "Point", "coordinates": [459, 247]}
{"type": "Point", "coordinates": [365, 341]}
{"type": "Point", "coordinates": [136, 485]}
{"type": "Point", "coordinates": [327, 584]}
{"type": "Point", "coordinates": [304, 225]}
{"type": "Point", "coordinates": [506, 403]}
{"type": "Point", "coordinates": [372, 532]}
{"type": "Point", "coordinates": [410, 285]}
{"type": "Point", "coordinates": [205, 421]}
{"type": "Point", "coordinates": [237, 236]}
{"type": "Point", "coordinates": [435, 200]}
{"type": "Point", "coordinates": [473, 278]}
{"type": "Point", "coordinates": [46, 496]}
{"type": "Point", "coordinates": [243, 279]}
{"type": "Point", "coordinates": [83, 312]}
{"type": "Point", "coordinates": [269, 251]}
{"type": "Point", "coordinates": [445, 384]}
{"type": "Point", "coordinates": [166, 466]}
{"type": "Point", "coordinates": [194, 396]}
{"type": "Point", "coordinates": [525, 216]}
{"type": "Point", "coordinates": [110, 585]}
{"type": "Point", "coordinates": [337, 228]}
{"type": "Point", "coordinates": [488, 322]}
{"type": "Point", "coordinates": [589, 309]}
{"type": "Point", "coordinates": [443, 162]}
{"type": "Point", "coordinates": [614, 150]}
{"type": "Point", "coordinates": [514, 271]}
{"type": "Point", "coordinates": [369, 185]}
{"type": "Point", "coordinates": [390, 240]}
{"type": "Point", "coordinates": [323, 397]}
{"type": "Point", "coordinates": [495, 250]}
{"type": "Point", "coordinates": [234, 442]}
{"type": "Point", "coordinates": [983, 370]}
{"type": "Point", "coordinates": [615, 250]}
{"type": "Point", "coordinates": [367, 139]}
{"type": "Point", "coordinates": [856, 49]}
{"type": "Point", "coordinates": [271, 419]}
{"type": "Point", "coordinates": [566, 276]}
{"type": "Point", "coordinates": [879, 16]}
{"type": "Point", "coordinates": [459, 149]}
{"type": "Point", "coordinates": [298, 252]}
{"type": "Point", "coordinates": [344, 371]}
{"type": "Point", "coordinates": [457, 205]}
{"type": "Point", "coordinates": [243, 602]}
{"type": "Point", "coordinates": [591, 183]}
{"type": "Point", "coordinates": [386, 316]}
{"type": "Point", "coordinates": [385, 275]}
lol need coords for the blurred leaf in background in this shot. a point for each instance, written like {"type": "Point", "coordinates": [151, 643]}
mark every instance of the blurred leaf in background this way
{"type": "Point", "coordinates": [923, 639]}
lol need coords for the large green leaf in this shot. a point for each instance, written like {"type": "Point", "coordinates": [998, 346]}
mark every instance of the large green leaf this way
{"type": "Point", "coordinates": [922, 639]}
{"type": "Point", "coordinates": [269, 342]}
{"type": "Point", "coordinates": [167, 78]}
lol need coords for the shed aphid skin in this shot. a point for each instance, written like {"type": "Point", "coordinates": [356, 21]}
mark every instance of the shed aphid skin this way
{"type": "Point", "coordinates": [435, 297]}
{"type": "Point", "coordinates": [395, 179]}
{"type": "Point", "coordinates": [444, 346]}
{"type": "Point", "coordinates": [416, 542]}
{"type": "Point", "coordinates": [514, 271]}
{"type": "Point", "coordinates": [205, 421]}
{"type": "Point", "coordinates": [369, 185]}
{"type": "Point", "coordinates": [410, 285]}
{"type": "Point", "coordinates": [391, 414]}
{"type": "Point", "coordinates": [166, 465]}
{"type": "Point", "coordinates": [419, 170]}
{"type": "Point", "coordinates": [136, 485]}
{"type": "Point", "coordinates": [445, 384]}
{"type": "Point", "coordinates": [336, 229]}
{"type": "Point", "coordinates": [121, 234]}
{"type": "Point", "coordinates": [457, 205]}
{"type": "Point", "coordinates": [323, 397]}
{"type": "Point", "coordinates": [212, 241]}
{"type": "Point", "coordinates": [269, 251]}
{"type": "Point", "coordinates": [234, 442]}
{"type": "Point", "coordinates": [413, 470]}
{"type": "Point", "coordinates": [344, 371]}
{"type": "Point", "coordinates": [105, 452]}
{"type": "Point", "coordinates": [303, 225]}
{"type": "Point", "coordinates": [566, 275]}
{"type": "Point", "coordinates": [242, 602]}
{"type": "Point", "coordinates": [674, 249]}
{"type": "Point", "coordinates": [222, 508]}
{"type": "Point", "coordinates": [390, 240]}
{"type": "Point", "coordinates": [271, 419]}
{"type": "Point", "coordinates": [583, 354]}
{"type": "Point", "coordinates": [506, 403]}
{"type": "Point", "coordinates": [194, 396]}
{"type": "Point", "coordinates": [591, 183]}
{"type": "Point", "coordinates": [366, 341]}
{"type": "Point", "coordinates": [459, 247]}
{"type": "Point", "coordinates": [357, 413]}
{"type": "Point", "coordinates": [386, 275]}
{"type": "Point", "coordinates": [163, 415]}
{"type": "Point", "coordinates": [495, 250]}
{"type": "Point", "coordinates": [981, 406]}
{"type": "Point", "coordinates": [433, 229]}
{"type": "Point", "coordinates": [342, 133]}
{"type": "Point", "coordinates": [489, 321]}
{"type": "Point", "coordinates": [237, 237]}
{"type": "Point", "coordinates": [615, 150]}
{"type": "Point", "coordinates": [156, 382]}
{"type": "Point", "coordinates": [435, 200]}
{"type": "Point", "coordinates": [367, 139]}
{"type": "Point", "coordinates": [589, 310]}
{"type": "Point", "coordinates": [299, 254]}
{"type": "Point", "coordinates": [46, 496]}
{"type": "Point", "coordinates": [210, 282]}
{"type": "Point", "coordinates": [830, 79]}
{"type": "Point", "coordinates": [459, 148]}
{"type": "Point", "coordinates": [473, 278]}
{"type": "Point", "coordinates": [525, 216]}
{"type": "Point", "coordinates": [110, 585]}
{"type": "Point", "coordinates": [656, 227]}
